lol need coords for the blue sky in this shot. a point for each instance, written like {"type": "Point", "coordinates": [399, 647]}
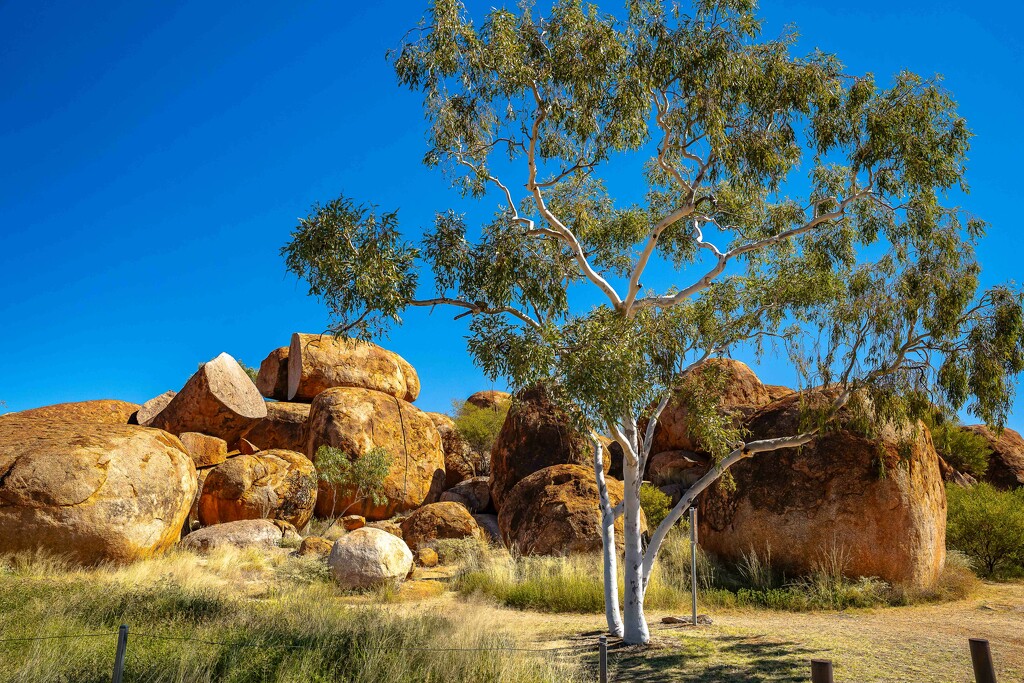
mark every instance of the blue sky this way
{"type": "Point", "coordinates": [155, 156]}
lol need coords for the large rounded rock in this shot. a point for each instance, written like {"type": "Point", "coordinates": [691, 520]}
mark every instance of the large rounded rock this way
{"type": "Point", "coordinates": [461, 462]}
{"type": "Point", "coordinates": [437, 521]}
{"type": "Point", "coordinates": [878, 503]}
{"type": "Point", "coordinates": [283, 427]}
{"type": "Point", "coordinates": [246, 533]}
{"type": "Point", "coordinates": [206, 451]}
{"type": "Point", "coordinates": [272, 379]}
{"type": "Point", "coordinates": [359, 420]}
{"type": "Point", "coordinates": [536, 434]}
{"type": "Point", "coordinates": [474, 493]}
{"type": "Point", "coordinates": [274, 484]}
{"type": "Point", "coordinates": [369, 557]}
{"type": "Point", "coordinates": [103, 411]}
{"type": "Point", "coordinates": [490, 399]}
{"type": "Point", "coordinates": [1006, 463]}
{"type": "Point", "coordinates": [151, 408]}
{"type": "Point", "coordinates": [556, 511]}
{"type": "Point", "coordinates": [94, 492]}
{"type": "Point", "coordinates": [317, 362]}
{"type": "Point", "coordinates": [741, 395]}
{"type": "Point", "coordinates": [219, 400]}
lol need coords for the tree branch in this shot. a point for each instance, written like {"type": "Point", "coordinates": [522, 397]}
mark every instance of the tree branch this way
{"type": "Point", "coordinates": [478, 308]}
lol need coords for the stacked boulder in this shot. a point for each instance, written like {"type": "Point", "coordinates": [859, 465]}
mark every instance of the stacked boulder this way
{"type": "Point", "coordinates": [1006, 462]}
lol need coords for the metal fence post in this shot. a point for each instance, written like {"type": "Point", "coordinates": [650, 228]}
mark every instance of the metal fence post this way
{"type": "Point", "coordinates": [693, 560]}
{"type": "Point", "coordinates": [821, 671]}
{"type": "Point", "coordinates": [602, 655]}
{"type": "Point", "coordinates": [981, 658]}
{"type": "Point", "coordinates": [122, 647]}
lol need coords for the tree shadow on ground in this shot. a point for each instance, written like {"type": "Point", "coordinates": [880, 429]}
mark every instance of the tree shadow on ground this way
{"type": "Point", "coordinates": [707, 658]}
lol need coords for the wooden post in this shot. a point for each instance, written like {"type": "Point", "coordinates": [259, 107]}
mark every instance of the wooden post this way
{"type": "Point", "coordinates": [122, 647]}
{"type": "Point", "coordinates": [693, 560]}
{"type": "Point", "coordinates": [981, 658]}
{"type": "Point", "coordinates": [602, 650]}
{"type": "Point", "coordinates": [821, 671]}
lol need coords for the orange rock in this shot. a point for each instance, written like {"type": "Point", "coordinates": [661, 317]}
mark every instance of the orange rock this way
{"type": "Point", "coordinates": [426, 557]}
{"type": "Point", "coordinates": [359, 420]}
{"type": "Point", "coordinates": [677, 467]}
{"type": "Point", "coordinates": [317, 362]}
{"type": "Point", "coordinates": [460, 461]}
{"type": "Point", "coordinates": [437, 521]}
{"type": "Point", "coordinates": [151, 408]}
{"type": "Point", "coordinates": [315, 546]}
{"type": "Point", "coordinates": [878, 503]}
{"type": "Point", "coordinates": [272, 380]}
{"type": "Point", "coordinates": [246, 447]}
{"type": "Point", "coordinates": [490, 399]}
{"type": "Point", "coordinates": [273, 484]}
{"type": "Point", "coordinates": [103, 411]}
{"type": "Point", "coordinates": [554, 511]}
{"type": "Point", "coordinates": [1006, 464]}
{"type": "Point", "coordinates": [206, 451]}
{"type": "Point", "coordinates": [283, 427]}
{"type": "Point", "coordinates": [353, 522]}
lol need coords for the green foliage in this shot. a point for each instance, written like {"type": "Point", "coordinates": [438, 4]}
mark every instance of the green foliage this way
{"type": "Point", "coordinates": [655, 504]}
{"type": "Point", "coordinates": [252, 372]}
{"type": "Point", "coordinates": [362, 477]}
{"type": "Point", "coordinates": [987, 525]}
{"type": "Point", "coordinates": [964, 451]}
{"type": "Point", "coordinates": [479, 426]}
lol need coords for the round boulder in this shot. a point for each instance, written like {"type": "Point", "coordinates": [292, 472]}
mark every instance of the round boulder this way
{"type": "Point", "coordinates": [555, 511]}
{"type": "Point", "coordinates": [369, 557]}
{"type": "Point", "coordinates": [93, 492]}
{"type": "Point", "coordinates": [317, 362]}
{"type": "Point", "coordinates": [274, 484]}
{"type": "Point", "coordinates": [877, 505]}
{"type": "Point", "coordinates": [103, 411]}
{"type": "Point", "coordinates": [358, 420]}
{"type": "Point", "coordinates": [490, 399]}
{"type": "Point", "coordinates": [473, 493]}
{"type": "Point", "coordinates": [537, 433]}
{"type": "Point", "coordinates": [436, 521]}
{"type": "Point", "coordinates": [246, 533]}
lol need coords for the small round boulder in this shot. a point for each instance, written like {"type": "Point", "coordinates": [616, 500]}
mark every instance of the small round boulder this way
{"type": "Point", "coordinates": [369, 557]}
{"type": "Point", "coordinates": [436, 521]}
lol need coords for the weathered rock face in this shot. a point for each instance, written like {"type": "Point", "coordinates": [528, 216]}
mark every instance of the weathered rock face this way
{"type": "Point", "coordinates": [219, 400]}
{"type": "Point", "coordinates": [474, 494]}
{"type": "Point", "coordinates": [536, 434]}
{"type": "Point", "coordinates": [272, 380]}
{"type": "Point", "coordinates": [743, 393]}
{"type": "Point", "coordinates": [555, 511]}
{"type": "Point", "coordinates": [489, 525]}
{"type": "Point", "coordinates": [437, 521]}
{"type": "Point", "coordinates": [246, 533]}
{"type": "Point", "coordinates": [677, 467]}
{"type": "Point", "coordinates": [192, 523]}
{"type": "Point", "coordinates": [490, 399]}
{"type": "Point", "coordinates": [359, 420]}
{"type": "Point", "coordinates": [1006, 464]}
{"type": "Point", "coordinates": [315, 546]}
{"type": "Point", "coordinates": [386, 525]}
{"type": "Point", "coordinates": [151, 408]}
{"type": "Point", "coordinates": [369, 557]}
{"type": "Point", "coordinates": [104, 411]}
{"type": "Point", "coordinates": [206, 451]}
{"type": "Point", "coordinates": [274, 484]}
{"type": "Point", "coordinates": [461, 462]}
{"type": "Point", "coordinates": [94, 492]}
{"type": "Point", "coordinates": [283, 427]}
{"type": "Point", "coordinates": [319, 362]}
{"type": "Point", "coordinates": [827, 497]}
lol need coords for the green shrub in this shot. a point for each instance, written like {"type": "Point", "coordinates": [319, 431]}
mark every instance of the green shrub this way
{"type": "Point", "coordinates": [964, 451]}
{"type": "Point", "coordinates": [363, 476]}
{"type": "Point", "coordinates": [987, 525]}
{"type": "Point", "coordinates": [479, 426]}
{"type": "Point", "coordinates": [252, 372]}
{"type": "Point", "coordinates": [655, 504]}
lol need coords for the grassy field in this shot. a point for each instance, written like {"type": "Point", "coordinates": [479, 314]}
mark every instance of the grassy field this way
{"type": "Point", "coordinates": [248, 616]}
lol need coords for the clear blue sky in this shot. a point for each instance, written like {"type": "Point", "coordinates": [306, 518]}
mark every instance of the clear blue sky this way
{"type": "Point", "coordinates": [155, 156]}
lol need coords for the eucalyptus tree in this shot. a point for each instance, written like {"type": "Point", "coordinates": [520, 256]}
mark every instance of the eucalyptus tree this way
{"type": "Point", "coordinates": [786, 206]}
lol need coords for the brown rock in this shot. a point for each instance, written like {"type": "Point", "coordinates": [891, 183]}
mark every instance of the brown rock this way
{"type": "Point", "coordinates": [314, 546]}
{"type": "Point", "coordinates": [460, 461]}
{"type": "Point", "coordinates": [387, 525]}
{"type": "Point", "coordinates": [426, 557]}
{"type": "Point", "coordinates": [272, 380]}
{"type": "Point", "coordinates": [318, 362]}
{"type": "Point", "coordinates": [677, 467]}
{"type": "Point", "coordinates": [359, 420]}
{"type": "Point", "coordinates": [473, 493]}
{"type": "Point", "coordinates": [273, 484]}
{"type": "Point", "coordinates": [246, 447]}
{"type": "Point", "coordinates": [437, 521]}
{"type": "Point", "coordinates": [245, 533]}
{"type": "Point", "coordinates": [103, 411]}
{"type": "Point", "coordinates": [283, 427]}
{"type": "Point", "coordinates": [206, 451]}
{"type": "Point", "coordinates": [353, 522]}
{"type": "Point", "coordinates": [93, 492]}
{"type": "Point", "coordinates": [219, 400]}
{"type": "Point", "coordinates": [830, 496]}
{"type": "Point", "coordinates": [742, 395]}
{"type": "Point", "coordinates": [489, 525]}
{"type": "Point", "coordinates": [490, 399]}
{"type": "Point", "coordinates": [151, 408]}
{"type": "Point", "coordinates": [554, 511]}
{"type": "Point", "coordinates": [1006, 464]}
{"type": "Point", "coordinates": [537, 433]}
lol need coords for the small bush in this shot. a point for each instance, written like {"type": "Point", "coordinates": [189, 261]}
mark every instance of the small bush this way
{"type": "Point", "coordinates": [655, 504]}
{"type": "Point", "coordinates": [964, 451]}
{"type": "Point", "coordinates": [479, 426]}
{"type": "Point", "coordinates": [363, 476]}
{"type": "Point", "coordinates": [987, 525]}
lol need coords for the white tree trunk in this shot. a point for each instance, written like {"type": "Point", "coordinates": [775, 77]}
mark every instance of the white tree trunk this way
{"type": "Point", "coordinates": [634, 621]}
{"type": "Point", "coordinates": [611, 572]}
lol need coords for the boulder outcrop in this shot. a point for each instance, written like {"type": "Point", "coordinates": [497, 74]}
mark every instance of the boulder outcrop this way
{"type": "Point", "coordinates": [317, 362]}
{"type": "Point", "coordinates": [91, 491]}
{"type": "Point", "coordinates": [358, 420]}
{"type": "Point", "coordinates": [103, 411]}
{"type": "Point", "coordinates": [246, 533]}
{"type": "Point", "coordinates": [274, 484]}
{"type": "Point", "coordinates": [437, 521]}
{"type": "Point", "coordinates": [461, 462]}
{"type": "Point", "coordinates": [283, 427]}
{"type": "Point", "coordinates": [151, 408]}
{"type": "Point", "coordinates": [490, 399]}
{"type": "Point", "coordinates": [272, 379]}
{"type": "Point", "coordinates": [474, 494]}
{"type": "Point", "coordinates": [206, 451]}
{"type": "Point", "coordinates": [878, 503]}
{"type": "Point", "coordinates": [369, 557]}
{"type": "Point", "coordinates": [1006, 463]}
{"type": "Point", "coordinates": [677, 467]}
